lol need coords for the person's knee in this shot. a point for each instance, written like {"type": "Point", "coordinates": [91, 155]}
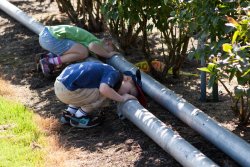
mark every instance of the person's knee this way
{"type": "Point", "coordinates": [82, 51]}
{"type": "Point", "coordinates": [92, 46]}
{"type": "Point", "coordinates": [79, 50]}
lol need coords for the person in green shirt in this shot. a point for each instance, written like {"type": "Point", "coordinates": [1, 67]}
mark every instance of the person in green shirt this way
{"type": "Point", "coordinates": [69, 44]}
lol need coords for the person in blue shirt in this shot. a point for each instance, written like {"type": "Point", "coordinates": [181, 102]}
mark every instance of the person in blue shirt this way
{"type": "Point", "coordinates": [87, 86]}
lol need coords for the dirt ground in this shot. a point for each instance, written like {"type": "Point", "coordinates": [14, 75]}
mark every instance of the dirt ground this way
{"type": "Point", "coordinates": [117, 142]}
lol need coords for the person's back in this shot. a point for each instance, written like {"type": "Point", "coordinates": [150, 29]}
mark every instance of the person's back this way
{"type": "Point", "coordinates": [70, 44]}
{"type": "Point", "coordinates": [89, 75]}
{"type": "Point", "coordinates": [73, 33]}
{"type": "Point", "coordinates": [87, 86]}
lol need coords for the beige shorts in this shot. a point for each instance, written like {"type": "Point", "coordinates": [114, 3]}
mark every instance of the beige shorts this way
{"type": "Point", "coordinates": [88, 99]}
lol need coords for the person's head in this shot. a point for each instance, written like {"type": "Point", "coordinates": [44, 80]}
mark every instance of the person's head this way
{"type": "Point", "coordinates": [132, 84]}
{"type": "Point", "coordinates": [108, 44]}
{"type": "Point", "coordinates": [128, 86]}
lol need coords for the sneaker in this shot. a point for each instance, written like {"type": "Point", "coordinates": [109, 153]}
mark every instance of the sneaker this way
{"type": "Point", "coordinates": [65, 118]}
{"type": "Point", "coordinates": [85, 121]}
{"type": "Point", "coordinates": [48, 55]}
{"type": "Point", "coordinates": [40, 56]}
{"type": "Point", "coordinates": [47, 68]}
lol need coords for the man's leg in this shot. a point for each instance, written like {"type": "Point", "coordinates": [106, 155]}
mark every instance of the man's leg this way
{"type": "Point", "coordinates": [77, 52]}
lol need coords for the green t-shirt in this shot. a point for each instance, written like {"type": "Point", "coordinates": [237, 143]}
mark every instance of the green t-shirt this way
{"type": "Point", "coordinates": [73, 33]}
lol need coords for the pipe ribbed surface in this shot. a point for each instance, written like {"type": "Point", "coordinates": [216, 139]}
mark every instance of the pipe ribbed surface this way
{"type": "Point", "coordinates": [20, 16]}
{"type": "Point", "coordinates": [165, 137]}
{"type": "Point", "coordinates": [231, 144]}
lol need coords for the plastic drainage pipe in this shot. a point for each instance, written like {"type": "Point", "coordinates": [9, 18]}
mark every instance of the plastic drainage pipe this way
{"type": "Point", "coordinates": [20, 16]}
{"type": "Point", "coordinates": [231, 144]}
{"type": "Point", "coordinates": [165, 137]}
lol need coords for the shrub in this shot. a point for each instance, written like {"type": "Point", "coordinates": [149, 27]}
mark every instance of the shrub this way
{"type": "Point", "coordinates": [234, 62]}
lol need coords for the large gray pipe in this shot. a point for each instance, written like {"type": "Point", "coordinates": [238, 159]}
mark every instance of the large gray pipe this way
{"type": "Point", "coordinates": [151, 83]}
{"type": "Point", "coordinates": [20, 16]}
{"type": "Point", "coordinates": [181, 150]}
{"type": "Point", "coordinates": [232, 145]}
{"type": "Point", "coordinates": [166, 138]}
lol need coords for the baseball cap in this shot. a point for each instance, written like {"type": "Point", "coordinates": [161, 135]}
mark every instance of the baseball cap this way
{"type": "Point", "coordinates": [137, 81]}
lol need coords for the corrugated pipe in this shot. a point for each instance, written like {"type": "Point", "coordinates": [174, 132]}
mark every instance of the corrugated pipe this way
{"type": "Point", "coordinates": [231, 144]}
{"type": "Point", "coordinates": [21, 16]}
{"type": "Point", "coordinates": [182, 151]}
{"type": "Point", "coordinates": [165, 137]}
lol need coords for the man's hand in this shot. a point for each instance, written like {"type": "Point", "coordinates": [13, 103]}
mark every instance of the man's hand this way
{"type": "Point", "coordinates": [127, 97]}
{"type": "Point", "coordinates": [110, 93]}
{"type": "Point", "coordinates": [110, 54]}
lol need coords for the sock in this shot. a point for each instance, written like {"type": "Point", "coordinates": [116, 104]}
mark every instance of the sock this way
{"type": "Point", "coordinates": [55, 60]}
{"type": "Point", "coordinates": [80, 113]}
{"type": "Point", "coordinates": [72, 109]}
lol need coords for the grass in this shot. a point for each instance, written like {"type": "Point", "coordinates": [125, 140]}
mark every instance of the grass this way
{"type": "Point", "coordinates": [20, 138]}
{"type": "Point", "coordinates": [27, 139]}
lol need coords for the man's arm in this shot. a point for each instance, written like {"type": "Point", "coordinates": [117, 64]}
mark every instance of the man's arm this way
{"type": "Point", "coordinates": [110, 93]}
{"type": "Point", "coordinates": [100, 51]}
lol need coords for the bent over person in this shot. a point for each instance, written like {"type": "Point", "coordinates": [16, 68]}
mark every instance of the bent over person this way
{"type": "Point", "coordinates": [69, 44]}
{"type": "Point", "coordinates": [87, 86]}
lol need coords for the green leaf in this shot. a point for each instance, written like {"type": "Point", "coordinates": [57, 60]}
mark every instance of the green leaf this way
{"type": "Point", "coordinates": [244, 47]}
{"type": "Point", "coordinates": [211, 67]}
{"type": "Point", "coordinates": [165, 2]}
{"type": "Point", "coordinates": [239, 91]}
{"type": "Point", "coordinates": [212, 81]}
{"type": "Point", "coordinates": [232, 74]}
{"type": "Point", "coordinates": [194, 54]}
{"type": "Point", "coordinates": [248, 92]}
{"type": "Point", "coordinates": [242, 81]}
{"type": "Point", "coordinates": [245, 73]}
{"type": "Point", "coordinates": [227, 47]}
{"type": "Point", "coordinates": [236, 33]}
{"type": "Point", "coordinates": [204, 69]}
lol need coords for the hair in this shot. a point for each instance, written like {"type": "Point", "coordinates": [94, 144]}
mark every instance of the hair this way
{"type": "Point", "coordinates": [135, 91]}
{"type": "Point", "coordinates": [119, 83]}
{"type": "Point", "coordinates": [115, 44]}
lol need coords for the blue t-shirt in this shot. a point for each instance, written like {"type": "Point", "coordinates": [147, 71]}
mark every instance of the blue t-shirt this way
{"type": "Point", "coordinates": [89, 75]}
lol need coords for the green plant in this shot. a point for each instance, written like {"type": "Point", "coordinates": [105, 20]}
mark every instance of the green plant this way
{"type": "Point", "coordinates": [125, 20]}
{"type": "Point", "coordinates": [83, 13]}
{"type": "Point", "coordinates": [21, 140]}
{"type": "Point", "coordinates": [172, 18]}
{"type": "Point", "coordinates": [235, 63]}
{"type": "Point", "coordinates": [208, 25]}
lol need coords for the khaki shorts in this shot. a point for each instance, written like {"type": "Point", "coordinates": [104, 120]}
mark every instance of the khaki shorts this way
{"type": "Point", "coordinates": [88, 99]}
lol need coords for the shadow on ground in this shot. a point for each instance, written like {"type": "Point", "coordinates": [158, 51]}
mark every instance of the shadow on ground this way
{"type": "Point", "coordinates": [18, 47]}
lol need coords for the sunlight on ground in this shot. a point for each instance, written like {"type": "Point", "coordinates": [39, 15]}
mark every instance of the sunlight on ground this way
{"type": "Point", "coordinates": [5, 89]}
{"type": "Point", "coordinates": [57, 155]}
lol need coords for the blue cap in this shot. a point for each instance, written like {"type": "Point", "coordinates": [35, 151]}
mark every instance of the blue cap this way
{"type": "Point", "coordinates": [137, 80]}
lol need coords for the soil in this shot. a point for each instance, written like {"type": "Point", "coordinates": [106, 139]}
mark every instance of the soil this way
{"type": "Point", "coordinates": [117, 142]}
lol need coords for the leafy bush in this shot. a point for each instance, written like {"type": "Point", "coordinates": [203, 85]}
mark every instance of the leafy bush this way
{"type": "Point", "coordinates": [235, 62]}
{"type": "Point", "coordinates": [127, 19]}
{"type": "Point", "coordinates": [83, 13]}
